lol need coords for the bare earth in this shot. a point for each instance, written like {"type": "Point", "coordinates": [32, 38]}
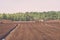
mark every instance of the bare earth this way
{"type": "Point", "coordinates": [35, 31]}
{"type": "Point", "coordinates": [5, 28]}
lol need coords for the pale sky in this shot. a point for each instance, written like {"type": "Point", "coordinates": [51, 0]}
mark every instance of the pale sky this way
{"type": "Point", "coordinates": [10, 6]}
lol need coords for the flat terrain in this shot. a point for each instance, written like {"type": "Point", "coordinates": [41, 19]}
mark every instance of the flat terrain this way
{"type": "Point", "coordinates": [35, 31]}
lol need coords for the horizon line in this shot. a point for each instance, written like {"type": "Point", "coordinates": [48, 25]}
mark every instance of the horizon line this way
{"type": "Point", "coordinates": [25, 12]}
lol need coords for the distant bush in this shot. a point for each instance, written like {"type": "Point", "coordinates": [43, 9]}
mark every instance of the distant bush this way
{"type": "Point", "coordinates": [28, 16]}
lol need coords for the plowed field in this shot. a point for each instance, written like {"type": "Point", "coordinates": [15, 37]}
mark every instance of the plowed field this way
{"type": "Point", "coordinates": [35, 31]}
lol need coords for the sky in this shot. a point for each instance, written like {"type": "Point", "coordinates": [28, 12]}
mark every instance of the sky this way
{"type": "Point", "coordinates": [12, 6]}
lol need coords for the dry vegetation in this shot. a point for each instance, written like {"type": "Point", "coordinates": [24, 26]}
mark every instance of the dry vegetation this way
{"type": "Point", "coordinates": [36, 31]}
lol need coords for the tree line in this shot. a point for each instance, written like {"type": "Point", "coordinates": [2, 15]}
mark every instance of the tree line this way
{"type": "Point", "coordinates": [31, 16]}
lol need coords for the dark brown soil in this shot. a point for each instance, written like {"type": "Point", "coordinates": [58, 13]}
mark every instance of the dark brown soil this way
{"type": "Point", "coordinates": [35, 31]}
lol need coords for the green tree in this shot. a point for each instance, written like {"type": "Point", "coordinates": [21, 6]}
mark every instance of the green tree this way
{"type": "Point", "coordinates": [4, 16]}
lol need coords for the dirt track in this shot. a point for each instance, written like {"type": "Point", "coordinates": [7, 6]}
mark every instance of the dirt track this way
{"type": "Point", "coordinates": [35, 31]}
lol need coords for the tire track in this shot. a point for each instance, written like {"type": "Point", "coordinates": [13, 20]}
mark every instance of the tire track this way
{"type": "Point", "coordinates": [27, 34]}
{"type": "Point", "coordinates": [53, 26]}
{"type": "Point", "coordinates": [16, 33]}
{"type": "Point", "coordinates": [34, 34]}
{"type": "Point", "coordinates": [34, 31]}
{"type": "Point", "coordinates": [40, 33]}
{"type": "Point", "coordinates": [49, 32]}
